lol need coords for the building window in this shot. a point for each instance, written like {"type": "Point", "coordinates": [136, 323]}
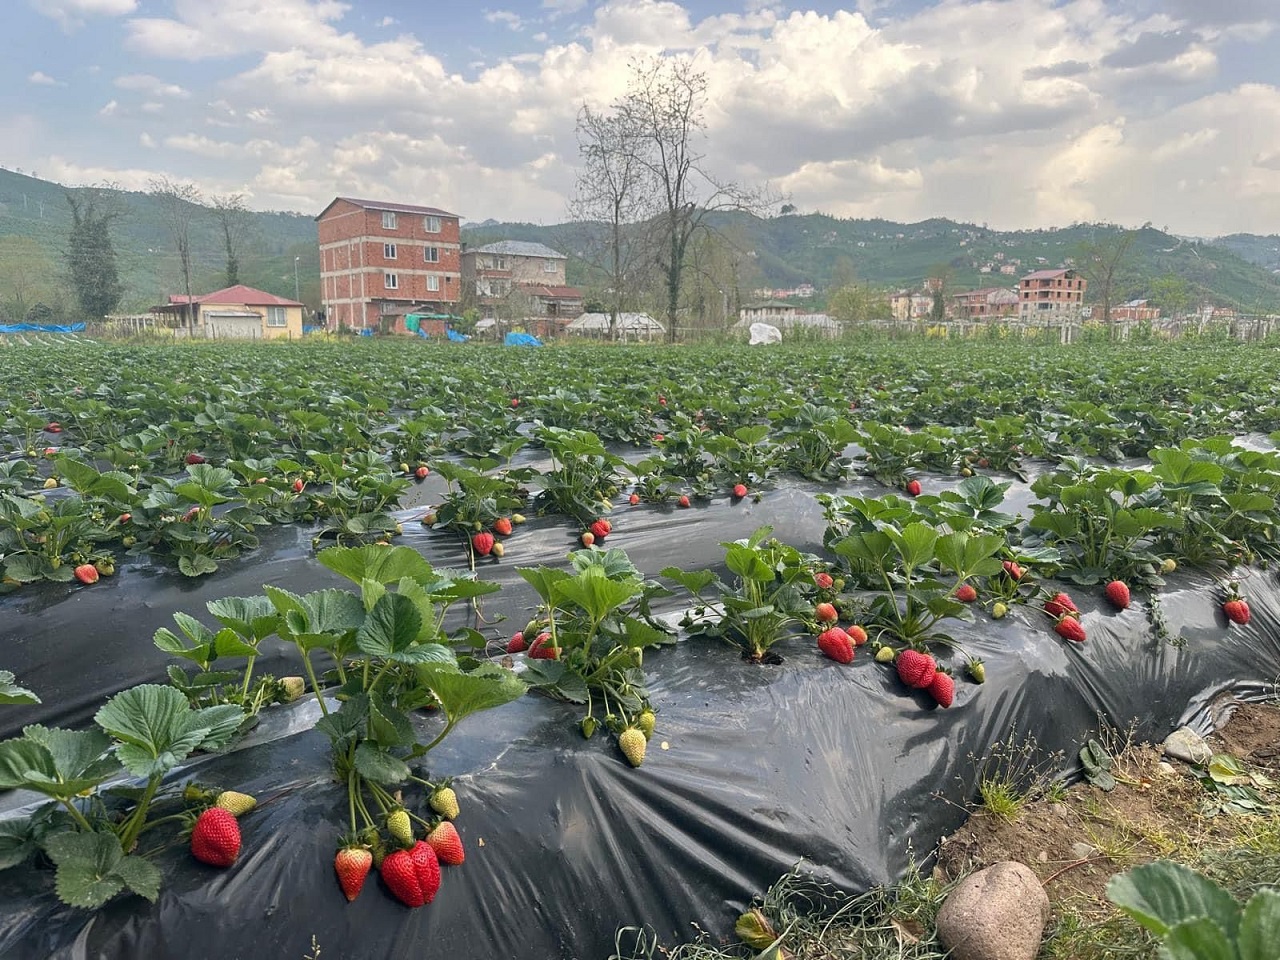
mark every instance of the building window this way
{"type": "Point", "coordinates": [389, 251]}
{"type": "Point", "coordinates": [548, 266]}
{"type": "Point", "coordinates": [276, 317]}
{"type": "Point", "coordinates": [431, 254]}
{"type": "Point", "coordinates": [433, 283]}
{"type": "Point", "coordinates": [388, 220]}
{"type": "Point", "coordinates": [431, 224]}
{"type": "Point", "coordinates": [390, 281]}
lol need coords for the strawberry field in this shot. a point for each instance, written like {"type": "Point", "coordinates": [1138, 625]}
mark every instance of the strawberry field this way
{"type": "Point", "coordinates": [494, 650]}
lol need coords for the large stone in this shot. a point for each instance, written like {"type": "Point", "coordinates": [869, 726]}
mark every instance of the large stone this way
{"type": "Point", "coordinates": [995, 914]}
{"type": "Point", "coordinates": [1188, 746]}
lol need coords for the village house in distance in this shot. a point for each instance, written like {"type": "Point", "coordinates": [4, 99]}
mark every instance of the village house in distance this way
{"type": "Point", "coordinates": [381, 262]}
{"type": "Point", "coordinates": [524, 277]}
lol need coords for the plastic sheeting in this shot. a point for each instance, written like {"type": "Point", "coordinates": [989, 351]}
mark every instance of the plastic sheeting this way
{"type": "Point", "coordinates": [41, 327]}
{"type": "Point", "coordinates": [522, 340]}
{"type": "Point", "coordinates": [763, 765]}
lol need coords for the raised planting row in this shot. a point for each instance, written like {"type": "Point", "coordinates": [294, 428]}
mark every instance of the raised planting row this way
{"type": "Point", "coordinates": [99, 457]}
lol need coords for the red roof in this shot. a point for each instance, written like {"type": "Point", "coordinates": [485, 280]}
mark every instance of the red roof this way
{"type": "Point", "coordinates": [555, 293]}
{"type": "Point", "coordinates": [393, 207]}
{"type": "Point", "coordinates": [238, 294]}
{"type": "Point", "coordinates": [1046, 275]}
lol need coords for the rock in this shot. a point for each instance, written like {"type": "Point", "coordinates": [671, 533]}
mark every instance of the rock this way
{"type": "Point", "coordinates": [1165, 769]}
{"type": "Point", "coordinates": [1188, 746]}
{"type": "Point", "coordinates": [995, 914]}
{"type": "Point", "coordinates": [1042, 856]}
{"type": "Point", "coordinates": [1082, 851]}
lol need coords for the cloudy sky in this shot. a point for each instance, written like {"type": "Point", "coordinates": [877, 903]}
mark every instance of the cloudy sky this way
{"type": "Point", "coordinates": [1016, 113]}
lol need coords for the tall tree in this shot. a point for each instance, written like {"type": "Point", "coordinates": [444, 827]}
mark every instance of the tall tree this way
{"type": "Point", "coordinates": [1172, 294]}
{"type": "Point", "coordinates": [938, 285]}
{"type": "Point", "coordinates": [233, 224]}
{"type": "Point", "coordinates": [611, 198]}
{"type": "Point", "coordinates": [663, 112]}
{"type": "Point", "coordinates": [1100, 261]}
{"type": "Point", "coordinates": [90, 254]}
{"type": "Point", "coordinates": [179, 205]}
{"type": "Point", "coordinates": [857, 303]}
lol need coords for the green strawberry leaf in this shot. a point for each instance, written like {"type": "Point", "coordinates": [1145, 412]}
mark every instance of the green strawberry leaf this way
{"type": "Point", "coordinates": [197, 564]}
{"type": "Point", "coordinates": [1260, 926]}
{"type": "Point", "coordinates": [158, 729]}
{"type": "Point", "coordinates": [379, 766]}
{"type": "Point", "coordinates": [92, 869]}
{"type": "Point", "coordinates": [17, 842]}
{"type": "Point", "coordinates": [462, 694]}
{"type": "Point", "coordinates": [695, 581]}
{"type": "Point", "coordinates": [391, 629]}
{"type": "Point", "coordinates": [371, 562]}
{"type": "Point", "coordinates": [1161, 895]}
{"type": "Point", "coordinates": [11, 693]}
{"type": "Point", "coordinates": [1198, 939]}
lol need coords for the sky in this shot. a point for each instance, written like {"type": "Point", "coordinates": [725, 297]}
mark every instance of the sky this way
{"type": "Point", "coordinates": [1012, 113]}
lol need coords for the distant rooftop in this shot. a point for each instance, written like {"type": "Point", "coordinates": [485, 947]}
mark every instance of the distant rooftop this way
{"type": "Point", "coordinates": [393, 207]}
{"type": "Point", "coordinates": [519, 248]}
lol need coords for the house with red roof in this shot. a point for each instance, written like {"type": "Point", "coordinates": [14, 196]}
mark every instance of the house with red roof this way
{"type": "Point", "coordinates": [382, 261]}
{"type": "Point", "coordinates": [238, 312]}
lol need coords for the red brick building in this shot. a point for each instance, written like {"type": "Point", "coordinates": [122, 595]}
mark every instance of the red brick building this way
{"type": "Point", "coordinates": [984, 303]}
{"type": "Point", "coordinates": [1050, 293]}
{"type": "Point", "coordinates": [381, 261]}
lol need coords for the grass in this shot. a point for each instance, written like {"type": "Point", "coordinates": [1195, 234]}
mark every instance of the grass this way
{"type": "Point", "coordinates": [1014, 772]}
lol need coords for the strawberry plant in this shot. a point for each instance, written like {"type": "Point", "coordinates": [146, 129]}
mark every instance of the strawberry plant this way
{"type": "Point", "coordinates": [747, 455]}
{"type": "Point", "coordinates": [86, 830]}
{"type": "Point", "coordinates": [760, 605]}
{"type": "Point", "coordinates": [584, 476]}
{"type": "Point", "coordinates": [596, 619]}
{"type": "Point", "coordinates": [813, 440]}
{"type": "Point", "coordinates": [11, 693]}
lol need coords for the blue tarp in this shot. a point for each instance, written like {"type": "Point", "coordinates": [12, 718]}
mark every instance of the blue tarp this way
{"type": "Point", "coordinates": [41, 327]}
{"type": "Point", "coordinates": [366, 333]}
{"type": "Point", "coordinates": [456, 337]}
{"type": "Point", "coordinates": [312, 328]}
{"type": "Point", "coordinates": [522, 340]}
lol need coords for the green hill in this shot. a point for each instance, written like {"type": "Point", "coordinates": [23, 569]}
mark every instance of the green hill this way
{"type": "Point", "coordinates": [782, 251]}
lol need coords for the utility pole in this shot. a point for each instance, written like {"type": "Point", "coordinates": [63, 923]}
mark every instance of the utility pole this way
{"type": "Point", "coordinates": [295, 279]}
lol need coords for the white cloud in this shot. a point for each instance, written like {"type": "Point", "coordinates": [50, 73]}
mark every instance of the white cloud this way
{"type": "Point", "coordinates": [147, 140]}
{"type": "Point", "coordinates": [109, 108]}
{"type": "Point", "coordinates": [150, 86]}
{"type": "Point", "coordinates": [202, 30]}
{"type": "Point", "coordinates": [71, 13]}
{"type": "Point", "coordinates": [41, 79]}
{"type": "Point", "coordinates": [511, 20]}
{"type": "Point", "coordinates": [388, 22]}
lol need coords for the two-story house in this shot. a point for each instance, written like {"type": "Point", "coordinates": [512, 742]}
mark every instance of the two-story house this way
{"type": "Point", "coordinates": [985, 303]}
{"type": "Point", "coordinates": [1046, 294]}
{"type": "Point", "coordinates": [381, 261]}
{"type": "Point", "coordinates": [494, 272]}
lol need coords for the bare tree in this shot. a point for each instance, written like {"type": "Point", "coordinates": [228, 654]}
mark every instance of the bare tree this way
{"type": "Point", "coordinates": [1100, 260]}
{"type": "Point", "coordinates": [179, 205]}
{"type": "Point", "coordinates": [233, 223]}
{"type": "Point", "coordinates": [611, 198]}
{"type": "Point", "coordinates": [662, 112]}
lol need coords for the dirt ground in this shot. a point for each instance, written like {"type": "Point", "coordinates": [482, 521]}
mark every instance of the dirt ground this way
{"type": "Point", "coordinates": [1157, 810]}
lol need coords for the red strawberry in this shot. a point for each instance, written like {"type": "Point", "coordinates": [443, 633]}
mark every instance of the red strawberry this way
{"type": "Point", "coordinates": [194, 458]}
{"type": "Point", "coordinates": [633, 499]}
{"type": "Point", "coordinates": [125, 518]}
{"type": "Point", "coordinates": [662, 400]}
{"type": "Point", "coordinates": [352, 865]}
{"type": "Point", "coordinates": [54, 428]}
{"type": "Point", "coordinates": [1069, 628]}
{"type": "Point", "coordinates": [482, 543]}
{"type": "Point", "coordinates": [916, 669]}
{"type": "Point", "coordinates": [683, 501]}
{"type": "Point", "coordinates": [215, 839]}
{"type": "Point", "coordinates": [1012, 569]}
{"type": "Point", "coordinates": [1237, 610]}
{"type": "Point", "coordinates": [298, 486]}
{"type": "Point", "coordinates": [825, 612]}
{"type": "Point", "coordinates": [587, 538]}
{"type": "Point", "coordinates": [601, 529]}
{"type": "Point", "coordinates": [542, 648]}
{"type": "Point", "coordinates": [658, 438]}
{"type": "Point", "coordinates": [87, 573]}
{"type": "Point", "coordinates": [739, 490]}
{"type": "Point", "coordinates": [856, 634]}
{"type": "Point", "coordinates": [943, 688]}
{"type": "Point", "coordinates": [400, 874]}
{"type": "Point", "coordinates": [1060, 605]}
{"type": "Point", "coordinates": [515, 401]}
{"type": "Point", "coordinates": [1117, 592]}
{"type": "Point", "coordinates": [447, 844]}
{"type": "Point", "coordinates": [965, 593]}
{"type": "Point", "coordinates": [427, 866]}
{"type": "Point", "coordinates": [517, 643]}
{"type": "Point", "coordinates": [836, 644]}
{"type": "Point", "coordinates": [823, 581]}
{"type": "Point", "coordinates": [913, 488]}
{"type": "Point", "coordinates": [191, 515]}
{"type": "Point", "coordinates": [502, 526]}
{"type": "Point", "coordinates": [422, 472]}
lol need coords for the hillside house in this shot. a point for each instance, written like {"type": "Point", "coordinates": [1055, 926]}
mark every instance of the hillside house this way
{"type": "Point", "coordinates": [905, 305]}
{"type": "Point", "coordinates": [238, 312]}
{"type": "Point", "coordinates": [775, 312]}
{"type": "Point", "coordinates": [1045, 294]}
{"type": "Point", "coordinates": [985, 303]}
{"type": "Point", "coordinates": [381, 261]}
{"type": "Point", "coordinates": [493, 272]}
{"type": "Point", "coordinates": [1135, 311]}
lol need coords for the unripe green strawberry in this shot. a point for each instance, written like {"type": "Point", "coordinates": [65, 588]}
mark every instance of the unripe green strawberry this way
{"type": "Point", "coordinates": [235, 803]}
{"type": "Point", "coordinates": [999, 610]}
{"type": "Point", "coordinates": [645, 722]}
{"type": "Point", "coordinates": [1169, 565]}
{"type": "Point", "coordinates": [400, 827]}
{"type": "Point", "coordinates": [633, 743]}
{"type": "Point", "coordinates": [444, 802]}
{"type": "Point", "coordinates": [289, 689]}
{"type": "Point", "coordinates": [977, 670]}
{"type": "Point", "coordinates": [885, 655]}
